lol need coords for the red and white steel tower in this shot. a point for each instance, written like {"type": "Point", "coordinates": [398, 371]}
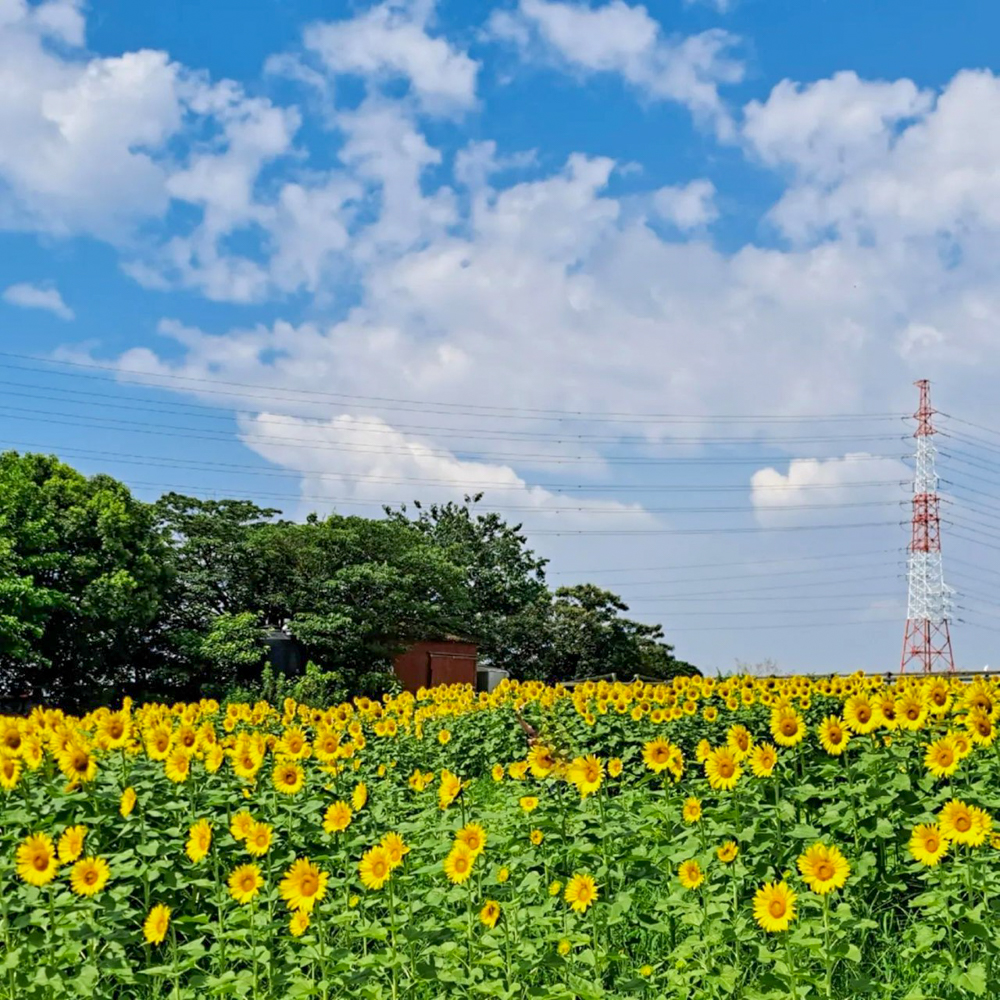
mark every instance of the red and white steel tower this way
{"type": "Point", "coordinates": [927, 640]}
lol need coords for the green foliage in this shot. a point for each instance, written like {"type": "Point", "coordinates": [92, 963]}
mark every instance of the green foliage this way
{"type": "Point", "coordinates": [84, 569]}
{"type": "Point", "coordinates": [315, 686]}
{"type": "Point", "coordinates": [101, 593]}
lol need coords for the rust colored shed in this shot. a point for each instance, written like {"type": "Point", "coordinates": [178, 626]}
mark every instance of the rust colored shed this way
{"type": "Point", "coordinates": [437, 661]}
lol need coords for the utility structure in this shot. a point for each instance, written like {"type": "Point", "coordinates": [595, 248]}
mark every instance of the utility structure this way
{"type": "Point", "coordinates": [927, 640]}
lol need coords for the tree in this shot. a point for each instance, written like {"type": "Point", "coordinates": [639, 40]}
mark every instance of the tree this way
{"type": "Point", "coordinates": [587, 636]}
{"type": "Point", "coordinates": [503, 578]}
{"type": "Point", "coordinates": [84, 569]}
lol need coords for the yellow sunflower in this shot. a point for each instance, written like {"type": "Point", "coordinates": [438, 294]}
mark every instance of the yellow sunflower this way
{"type": "Point", "coordinates": [490, 913]}
{"type": "Point", "coordinates": [258, 839]}
{"type": "Point", "coordinates": [473, 836]}
{"type": "Point", "coordinates": [89, 876]}
{"type": "Point", "coordinates": [178, 765]}
{"type": "Point", "coordinates": [528, 803]}
{"type": "Point", "coordinates": [396, 848]}
{"type": "Point", "coordinates": [722, 769]}
{"type": "Point", "coordinates": [155, 927]}
{"type": "Point", "coordinates": [304, 885]}
{"type": "Point", "coordinates": [964, 824]}
{"type": "Point", "coordinates": [338, 817]}
{"type": "Point", "coordinates": [763, 759]}
{"type": "Point", "coordinates": [727, 852]}
{"type": "Point", "coordinates": [458, 864]}
{"type": "Point", "coordinates": [824, 868]}
{"type": "Point", "coordinates": [656, 755]}
{"type": "Point", "coordinates": [787, 727]}
{"type": "Point", "coordinates": [245, 883]}
{"type": "Point", "coordinates": [927, 844]}
{"type": "Point", "coordinates": [941, 758]}
{"type": "Point", "coordinates": [10, 772]}
{"type": "Point", "coordinates": [36, 859]}
{"type": "Point", "coordinates": [359, 797]}
{"type": "Point", "coordinates": [833, 735]}
{"type": "Point", "coordinates": [298, 924]}
{"type": "Point", "coordinates": [71, 844]}
{"type": "Point", "coordinates": [199, 840]}
{"type": "Point", "coordinates": [586, 773]}
{"type": "Point", "coordinates": [241, 825]}
{"type": "Point", "coordinates": [690, 874]}
{"type": "Point", "coordinates": [860, 715]}
{"type": "Point", "coordinates": [692, 810]}
{"type": "Point", "coordinates": [127, 802]}
{"type": "Point", "coordinates": [288, 778]}
{"type": "Point", "coordinates": [774, 906]}
{"type": "Point", "coordinates": [581, 891]}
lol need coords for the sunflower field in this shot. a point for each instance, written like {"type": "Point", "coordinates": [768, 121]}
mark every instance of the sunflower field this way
{"type": "Point", "coordinates": [707, 838]}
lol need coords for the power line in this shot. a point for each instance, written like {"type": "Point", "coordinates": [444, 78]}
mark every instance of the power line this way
{"type": "Point", "coordinates": [188, 433]}
{"type": "Point", "coordinates": [358, 425]}
{"type": "Point", "coordinates": [536, 413]}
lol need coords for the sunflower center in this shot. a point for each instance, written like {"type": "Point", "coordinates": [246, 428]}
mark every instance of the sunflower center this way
{"type": "Point", "coordinates": [864, 713]}
{"type": "Point", "coordinates": [309, 885]}
{"type": "Point", "coordinates": [776, 908]}
{"type": "Point", "coordinates": [912, 713]}
{"type": "Point", "coordinates": [932, 843]}
{"type": "Point", "coordinates": [726, 769]}
{"type": "Point", "coordinates": [945, 757]}
{"type": "Point", "coordinates": [789, 726]}
{"type": "Point", "coordinates": [963, 824]}
{"type": "Point", "coordinates": [824, 871]}
{"type": "Point", "coordinates": [90, 877]}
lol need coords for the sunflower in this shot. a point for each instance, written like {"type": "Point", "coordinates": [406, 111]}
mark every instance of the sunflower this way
{"type": "Point", "coordinates": [497, 772]}
{"type": "Point", "coordinates": [739, 740]}
{"type": "Point", "coordinates": [824, 868]}
{"type": "Point", "coordinates": [490, 913]}
{"type": "Point", "coordinates": [927, 844]}
{"type": "Point", "coordinates": [834, 735]}
{"type": "Point", "coordinates": [178, 765]}
{"type": "Point", "coordinates": [911, 712]}
{"type": "Point", "coordinates": [586, 773]}
{"type": "Point", "coordinates": [581, 891]}
{"type": "Point", "coordinates": [458, 864]}
{"type": "Point", "coordinates": [10, 772]}
{"type": "Point", "coordinates": [542, 760]}
{"type": "Point", "coordinates": [536, 837]}
{"type": "Point", "coordinates": [981, 727]}
{"type": "Point", "coordinates": [503, 875]}
{"type": "Point", "coordinates": [71, 844]}
{"type": "Point", "coordinates": [113, 730]}
{"type": "Point", "coordinates": [304, 885]}
{"type": "Point", "coordinates": [860, 715]}
{"type": "Point", "coordinates": [11, 735]}
{"type": "Point", "coordinates": [555, 887]}
{"type": "Point", "coordinates": [298, 924]}
{"type": "Point", "coordinates": [774, 906]}
{"type": "Point", "coordinates": [375, 867]}
{"type": "Point", "coordinates": [692, 810]}
{"type": "Point", "coordinates": [787, 727]}
{"type": "Point", "coordinates": [615, 767]}
{"type": "Point", "coordinates": [528, 803]}
{"type": "Point", "coordinates": [338, 817]}
{"type": "Point", "coordinates": [763, 759]}
{"type": "Point", "coordinates": [199, 840]}
{"type": "Point", "coordinates": [964, 824]}
{"type": "Point", "coordinates": [396, 848]}
{"type": "Point", "coordinates": [288, 778]}
{"type": "Point", "coordinates": [727, 852]}
{"type": "Point", "coordinates": [449, 789]}
{"type": "Point", "coordinates": [722, 769]}
{"type": "Point", "coordinates": [89, 876]}
{"type": "Point", "coordinates": [258, 839]}
{"type": "Point", "coordinates": [473, 836]}
{"type": "Point", "coordinates": [127, 802]}
{"type": "Point", "coordinates": [245, 883]}
{"type": "Point", "coordinates": [154, 929]}
{"type": "Point", "coordinates": [77, 763]}
{"type": "Point", "coordinates": [214, 757]}
{"type": "Point", "coordinates": [941, 758]}
{"type": "Point", "coordinates": [690, 874]}
{"type": "Point", "coordinates": [241, 824]}
{"type": "Point", "coordinates": [36, 859]}
{"type": "Point", "coordinates": [564, 947]}
{"type": "Point", "coordinates": [656, 755]}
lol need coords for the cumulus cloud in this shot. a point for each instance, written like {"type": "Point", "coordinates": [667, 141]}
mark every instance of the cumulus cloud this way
{"type": "Point", "coordinates": [687, 206]}
{"type": "Point", "coordinates": [856, 478]}
{"type": "Point", "coordinates": [618, 38]}
{"type": "Point", "coordinates": [392, 41]}
{"type": "Point", "coordinates": [47, 297]}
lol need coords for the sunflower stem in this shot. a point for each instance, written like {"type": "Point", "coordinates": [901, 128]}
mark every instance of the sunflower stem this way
{"type": "Point", "coordinates": [828, 955]}
{"type": "Point", "coordinates": [792, 979]}
{"type": "Point", "coordinates": [392, 938]}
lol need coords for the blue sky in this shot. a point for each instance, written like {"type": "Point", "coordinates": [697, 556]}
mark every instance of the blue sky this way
{"type": "Point", "coordinates": [657, 279]}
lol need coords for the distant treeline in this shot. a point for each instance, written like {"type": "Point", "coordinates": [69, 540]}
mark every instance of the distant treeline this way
{"type": "Point", "coordinates": [103, 595]}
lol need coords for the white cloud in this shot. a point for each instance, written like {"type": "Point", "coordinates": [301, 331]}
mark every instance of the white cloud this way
{"type": "Point", "coordinates": [778, 497]}
{"type": "Point", "coordinates": [392, 41]}
{"type": "Point", "coordinates": [721, 6]}
{"type": "Point", "coordinates": [46, 297]}
{"type": "Point", "coordinates": [687, 206]}
{"type": "Point", "coordinates": [618, 38]}
{"type": "Point", "coordinates": [78, 135]}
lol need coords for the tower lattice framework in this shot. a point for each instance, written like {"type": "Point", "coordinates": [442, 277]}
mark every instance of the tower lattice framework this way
{"type": "Point", "coordinates": [927, 640]}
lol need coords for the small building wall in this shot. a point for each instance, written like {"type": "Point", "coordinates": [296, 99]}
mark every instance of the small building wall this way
{"type": "Point", "coordinates": [441, 661]}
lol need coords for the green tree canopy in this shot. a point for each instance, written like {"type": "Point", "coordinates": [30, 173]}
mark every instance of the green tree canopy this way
{"type": "Point", "coordinates": [83, 570]}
